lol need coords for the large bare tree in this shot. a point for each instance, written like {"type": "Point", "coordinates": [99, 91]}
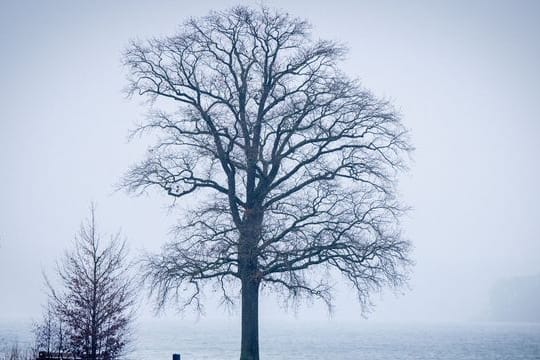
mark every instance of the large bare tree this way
{"type": "Point", "coordinates": [289, 164]}
{"type": "Point", "coordinates": [94, 298]}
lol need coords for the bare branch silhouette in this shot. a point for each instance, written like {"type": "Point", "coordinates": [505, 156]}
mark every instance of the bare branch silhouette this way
{"type": "Point", "coordinates": [293, 163]}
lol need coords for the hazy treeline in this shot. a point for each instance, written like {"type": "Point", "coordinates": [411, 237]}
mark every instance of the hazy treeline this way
{"type": "Point", "coordinates": [516, 299]}
{"type": "Point", "coordinates": [15, 351]}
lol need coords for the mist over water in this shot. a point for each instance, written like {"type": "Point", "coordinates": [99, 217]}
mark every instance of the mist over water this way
{"type": "Point", "coordinates": [384, 341]}
{"type": "Point", "coordinates": [206, 340]}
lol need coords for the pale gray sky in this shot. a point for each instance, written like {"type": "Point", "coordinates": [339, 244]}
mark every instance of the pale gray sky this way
{"type": "Point", "coordinates": [464, 74]}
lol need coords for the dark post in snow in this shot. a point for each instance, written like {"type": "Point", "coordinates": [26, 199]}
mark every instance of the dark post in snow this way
{"type": "Point", "coordinates": [175, 356]}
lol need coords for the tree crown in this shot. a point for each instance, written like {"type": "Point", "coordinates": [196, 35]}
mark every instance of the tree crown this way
{"type": "Point", "coordinates": [284, 150]}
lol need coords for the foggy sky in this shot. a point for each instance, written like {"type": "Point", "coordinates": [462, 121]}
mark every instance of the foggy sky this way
{"type": "Point", "coordinates": [464, 75]}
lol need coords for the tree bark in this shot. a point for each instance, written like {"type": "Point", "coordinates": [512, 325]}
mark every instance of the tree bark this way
{"type": "Point", "coordinates": [250, 277]}
{"type": "Point", "coordinates": [250, 319]}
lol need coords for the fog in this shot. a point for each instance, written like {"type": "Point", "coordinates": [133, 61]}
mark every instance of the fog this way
{"type": "Point", "coordinates": [464, 75]}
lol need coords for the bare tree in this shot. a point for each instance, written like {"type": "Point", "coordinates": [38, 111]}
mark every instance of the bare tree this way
{"type": "Point", "coordinates": [49, 332]}
{"type": "Point", "coordinates": [293, 164]}
{"type": "Point", "coordinates": [95, 301]}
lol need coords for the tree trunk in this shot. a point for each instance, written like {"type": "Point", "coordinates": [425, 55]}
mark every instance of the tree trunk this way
{"type": "Point", "coordinates": [249, 274]}
{"type": "Point", "coordinates": [250, 319]}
